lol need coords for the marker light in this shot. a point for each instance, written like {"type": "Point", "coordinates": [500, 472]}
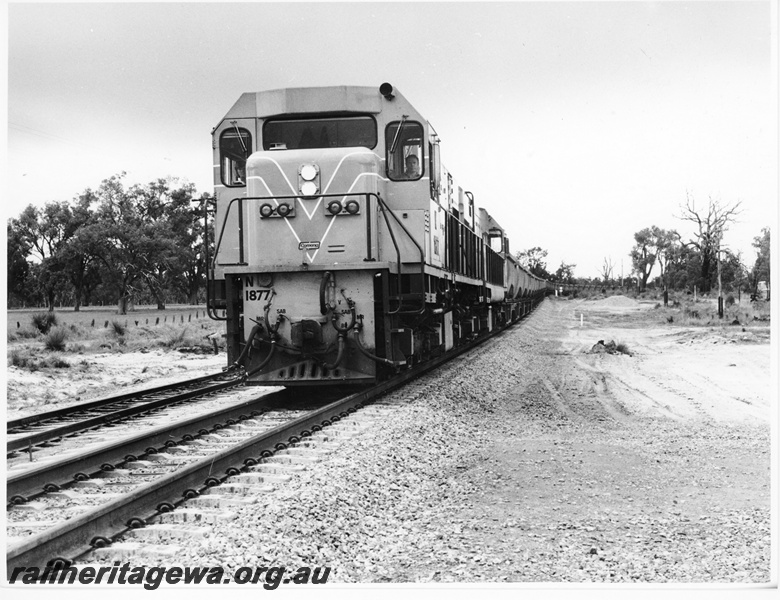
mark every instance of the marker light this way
{"type": "Point", "coordinates": [308, 172]}
{"type": "Point", "coordinates": [352, 207]}
{"type": "Point", "coordinates": [387, 91]}
{"type": "Point", "coordinates": [266, 210]}
{"type": "Point", "coordinates": [334, 207]}
{"type": "Point", "coordinates": [309, 188]}
{"type": "Point", "coordinates": [284, 209]}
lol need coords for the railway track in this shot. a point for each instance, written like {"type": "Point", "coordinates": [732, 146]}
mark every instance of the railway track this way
{"type": "Point", "coordinates": [64, 510]}
{"type": "Point", "coordinates": [27, 434]}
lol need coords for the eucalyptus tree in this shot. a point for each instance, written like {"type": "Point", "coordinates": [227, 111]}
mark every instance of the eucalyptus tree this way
{"type": "Point", "coordinates": [711, 223]}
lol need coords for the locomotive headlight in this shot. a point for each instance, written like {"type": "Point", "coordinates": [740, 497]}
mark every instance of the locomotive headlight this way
{"type": "Point", "coordinates": [284, 209]}
{"type": "Point", "coordinates": [309, 188]}
{"type": "Point", "coordinates": [352, 207]}
{"type": "Point", "coordinates": [334, 207]}
{"type": "Point", "coordinates": [266, 210]}
{"type": "Point", "coordinates": [309, 172]}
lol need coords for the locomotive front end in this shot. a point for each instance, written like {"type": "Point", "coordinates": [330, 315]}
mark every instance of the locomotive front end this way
{"type": "Point", "coordinates": [308, 308]}
{"type": "Point", "coordinates": [297, 185]}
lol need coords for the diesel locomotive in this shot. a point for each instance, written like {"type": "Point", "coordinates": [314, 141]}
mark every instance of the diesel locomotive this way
{"type": "Point", "coordinates": [344, 250]}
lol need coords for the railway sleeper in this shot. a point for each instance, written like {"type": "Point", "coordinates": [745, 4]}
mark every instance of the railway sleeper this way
{"type": "Point", "coordinates": [220, 501]}
{"type": "Point", "coordinates": [166, 532]}
{"type": "Point", "coordinates": [240, 489]}
{"type": "Point", "coordinates": [124, 551]}
{"type": "Point", "coordinates": [196, 515]}
{"type": "Point", "coordinates": [277, 468]}
{"type": "Point", "coordinates": [115, 474]}
{"type": "Point", "coordinates": [338, 433]}
{"type": "Point", "coordinates": [292, 459]}
{"type": "Point", "coordinates": [137, 464]}
{"type": "Point", "coordinates": [319, 440]}
{"type": "Point", "coordinates": [161, 457]}
{"type": "Point", "coordinates": [259, 477]}
{"type": "Point", "coordinates": [179, 459]}
{"type": "Point", "coordinates": [316, 451]}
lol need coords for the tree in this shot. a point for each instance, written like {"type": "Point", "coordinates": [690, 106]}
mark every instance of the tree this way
{"type": "Point", "coordinates": [565, 273]}
{"type": "Point", "coordinates": [78, 253]}
{"type": "Point", "coordinates": [46, 232]}
{"type": "Point", "coordinates": [534, 261]}
{"type": "Point", "coordinates": [606, 270]}
{"type": "Point", "coordinates": [711, 225]}
{"type": "Point", "coordinates": [18, 269]}
{"type": "Point", "coordinates": [761, 268]}
{"type": "Point", "coordinates": [120, 239]}
{"type": "Point", "coordinates": [170, 221]}
{"type": "Point", "coordinates": [643, 255]}
{"type": "Point", "coordinates": [666, 244]}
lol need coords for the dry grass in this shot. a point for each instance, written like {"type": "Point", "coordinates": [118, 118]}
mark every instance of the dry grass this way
{"type": "Point", "coordinates": [25, 360]}
{"type": "Point", "coordinates": [683, 310]}
{"type": "Point", "coordinates": [100, 331]}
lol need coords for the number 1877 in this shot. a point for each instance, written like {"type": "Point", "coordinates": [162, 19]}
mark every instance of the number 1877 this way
{"type": "Point", "coordinates": [256, 295]}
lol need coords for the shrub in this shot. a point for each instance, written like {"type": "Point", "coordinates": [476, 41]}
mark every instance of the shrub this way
{"type": "Point", "coordinates": [118, 328]}
{"type": "Point", "coordinates": [55, 339]}
{"type": "Point", "coordinates": [693, 314]}
{"type": "Point", "coordinates": [730, 300]}
{"type": "Point", "coordinates": [58, 363]}
{"type": "Point", "coordinates": [25, 361]}
{"type": "Point", "coordinates": [623, 348]}
{"type": "Point", "coordinates": [174, 339]}
{"type": "Point", "coordinates": [28, 333]}
{"type": "Point", "coordinates": [20, 360]}
{"type": "Point", "coordinates": [43, 322]}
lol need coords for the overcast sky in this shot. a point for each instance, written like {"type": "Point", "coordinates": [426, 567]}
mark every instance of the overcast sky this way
{"type": "Point", "coordinates": [575, 124]}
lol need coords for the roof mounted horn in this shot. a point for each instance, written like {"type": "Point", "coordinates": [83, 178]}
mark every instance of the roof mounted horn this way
{"type": "Point", "coordinates": [387, 91]}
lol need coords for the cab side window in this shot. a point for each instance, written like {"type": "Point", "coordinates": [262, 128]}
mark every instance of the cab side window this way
{"type": "Point", "coordinates": [404, 150]}
{"type": "Point", "coordinates": [235, 146]}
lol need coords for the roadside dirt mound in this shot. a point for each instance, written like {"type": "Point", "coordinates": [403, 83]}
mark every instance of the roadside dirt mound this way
{"type": "Point", "coordinates": [616, 301]}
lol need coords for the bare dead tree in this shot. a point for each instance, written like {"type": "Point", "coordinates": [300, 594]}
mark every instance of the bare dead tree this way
{"type": "Point", "coordinates": [606, 269]}
{"type": "Point", "coordinates": [711, 223]}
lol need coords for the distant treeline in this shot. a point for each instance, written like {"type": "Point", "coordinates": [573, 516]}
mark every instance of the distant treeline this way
{"type": "Point", "coordinates": [682, 264]}
{"type": "Point", "coordinates": [145, 245]}
{"type": "Point", "coordinates": [113, 245]}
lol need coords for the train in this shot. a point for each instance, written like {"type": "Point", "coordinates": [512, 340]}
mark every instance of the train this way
{"type": "Point", "coordinates": [344, 250]}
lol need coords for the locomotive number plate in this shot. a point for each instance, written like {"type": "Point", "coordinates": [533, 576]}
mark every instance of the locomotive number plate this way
{"type": "Point", "coordinates": [257, 294]}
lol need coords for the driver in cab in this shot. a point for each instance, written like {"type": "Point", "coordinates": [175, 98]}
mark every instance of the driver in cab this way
{"type": "Point", "coordinates": [412, 170]}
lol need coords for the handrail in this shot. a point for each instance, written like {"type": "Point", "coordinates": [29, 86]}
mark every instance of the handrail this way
{"type": "Point", "coordinates": [385, 209]}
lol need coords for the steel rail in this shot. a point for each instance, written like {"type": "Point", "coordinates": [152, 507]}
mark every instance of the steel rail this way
{"type": "Point", "coordinates": [38, 437]}
{"type": "Point", "coordinates": [22, 486]}
{"type": "Point", "coordinates": [70, 410]}
{"type": "Point", "coordinates": [79, 535]}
